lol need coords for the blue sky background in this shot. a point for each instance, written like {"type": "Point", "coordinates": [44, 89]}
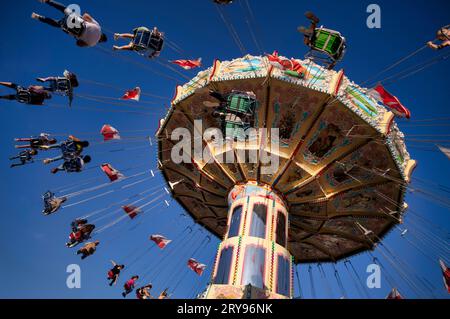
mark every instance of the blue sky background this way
{"type": "Point", "coordinates": [34, 258]}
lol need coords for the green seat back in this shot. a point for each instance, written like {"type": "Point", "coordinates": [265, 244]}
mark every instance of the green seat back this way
{"type": "Point", "coordinates": [328, 41]}
{"type": "Point", "coordinates": [236, 129]}
{"type": "Point", "coordinates": [240, 103]}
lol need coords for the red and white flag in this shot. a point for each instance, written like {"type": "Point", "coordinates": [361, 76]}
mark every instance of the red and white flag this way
{"type": "Point", "coordinates": [132, 211]}
{"type": "Point", "coordinates": [275, 60]}
{"type": "Point", "coordinates": [134, 94]}
{"type": "Point", "coordinates": [391, 101]}
{"type": "Point", "coordinates": [160, 240]}
{"type": "Point", "coordinates": [109, 133]}
{"type": "Point", "coordinates": [197, 267]}
{"type": "Point", "coordinates": [111, 172]}
{"type": "Point", "coordinates": [446, 275]}
{"type": "Point", "coordinates": [286, 64]}
{"type": "Point", "coordinates": [394, 294]}
{"type": "Point", "coordinates": [188, 64]}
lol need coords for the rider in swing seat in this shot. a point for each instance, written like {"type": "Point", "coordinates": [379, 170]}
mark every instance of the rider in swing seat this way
{"type": "Point", "coordinates": [25, 157]}
{"type": "Point", "coordinates": [39, 142]}
{"type": "Point", "coordinates": [329, 45]}
{"type": "Point", "coordinates": [88, 249]}
{"type": "Point", "coordinates": [63, 85]}
{"type": "Point", "coordinates": [442, 35]}
{"type": "Point", "coordinates": [52, 203]}
{"type": "Point", "coordinates": [32, 95]}
{"type": "Point", "coordinates": [142, 40]}
{"type": "Point", "coordinates": [83, 27]}
{"type": "Point", "coordinates": [236, 111]}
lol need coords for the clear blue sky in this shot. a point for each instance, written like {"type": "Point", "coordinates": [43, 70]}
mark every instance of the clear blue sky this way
{"type": "Point", "coordinates": [34, 257]}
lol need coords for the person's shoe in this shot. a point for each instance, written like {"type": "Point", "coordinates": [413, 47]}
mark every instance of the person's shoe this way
{"type": "Point", "coordinates": [311, 16]}
{"type": "Point", "coordinates": [116, 36]}
{"type": "Point", "coordinates": [115, 48]}
{"type": "Point", "coordinates": [123, 294]}
{"type": "Point", "coordinates": [35, 16]}
{"type": "Point", "coordinates": [54, 170]}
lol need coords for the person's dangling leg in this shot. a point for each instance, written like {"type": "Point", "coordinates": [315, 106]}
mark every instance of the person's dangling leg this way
{"type": "Point", "coordinates": [57, 169]}
{"type": "Point", "coordinates": [9, 85]}
{"type": "Point", "coordinates": [45, 20]}
{"type": "Point", "coordinates": [17, 164]}
{"type": "Point", "coordinates": [10, 97]}
{"type": "Point", "coordinates": [113, 280]}
{"type": "Point", "coordinates": [58, 6]}
{"type": "Point", "coordinates": [128, 47]}
{"type": "Point", "coordinates": [118, 36]}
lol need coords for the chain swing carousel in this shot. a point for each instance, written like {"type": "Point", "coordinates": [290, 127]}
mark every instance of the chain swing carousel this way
{"type": "Point", "coordinates": [338, 187]}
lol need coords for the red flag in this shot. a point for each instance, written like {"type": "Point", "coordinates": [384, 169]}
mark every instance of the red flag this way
{"type": "Point", "coordinates": [131, 210]}
{"type": "Point", "coordinates": [274, 59]}
{"type": "Point", "coordinates": [134, 94]}
{"type": "Point", "coordinates": [160, 240]}
{"type": "Point", "coordinates": [188, 64]}
{"type": "Point", "coordinates": [109, 133]}
{"type": "Point", "coordinates": [290, 65]}
{"type": "Point", "coordinates": [446, 275]}
{"type": "Point", "coordinates": [394, 294]}
{"type": "Point", "coordinates": [391, 101]}
{"type": "Point", "coordinates": [197, 267]}
{"type": "Point", "coordinates": [111, 172]}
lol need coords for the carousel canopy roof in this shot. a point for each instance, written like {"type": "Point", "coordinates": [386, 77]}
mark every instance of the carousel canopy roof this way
{"type": "Point", "coordinates": [342, 166]}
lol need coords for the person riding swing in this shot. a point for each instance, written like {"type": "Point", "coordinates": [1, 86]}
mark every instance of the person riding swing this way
{"type": "Point", "coordinates": [236, 112]}
{"type": "Point", "coordinates": [52, 203]}
{"type": "Point", "coordinates": [32, 95]}
{"type": "Point", "coordinates": [143, 40]}
{"type": "Point", "coordinates": [325, 45]}
{"type": "Point", "coordinates": [63, 85]}
{"type": "Point", "coordinates": [83, 27]}
{"type": "Point", "coordinates": [442, 35]}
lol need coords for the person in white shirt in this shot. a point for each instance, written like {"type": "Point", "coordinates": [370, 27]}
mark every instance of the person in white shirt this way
{"type": "Point", "coordinates": [85, 29]}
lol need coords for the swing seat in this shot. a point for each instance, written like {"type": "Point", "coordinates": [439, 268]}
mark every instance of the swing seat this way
{"type": "Point", "coordinates": [61, 85]}
{"type": "Point", "coordinates": [48, 195]}
{"type": "Point", "coordinates": [235, 130]}
{"type": "Point", "coordinates": [241, 103]}
{"type": "Point", "coordinates": [328, 41]}
{"type": "Point", "coordinates": [145, 40]}
{"type": "Point", "coordinates": [23, 96]}
{"type": "Point", "coordinates": [240, 107]}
